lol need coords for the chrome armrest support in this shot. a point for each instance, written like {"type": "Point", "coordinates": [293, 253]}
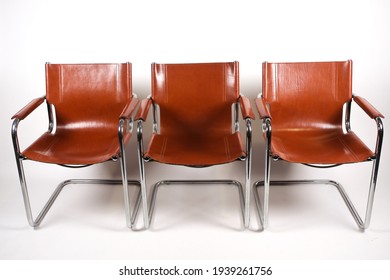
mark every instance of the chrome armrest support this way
{"type": "Point", "coordinates": [155, 117]}
{"type": "Point", "coordinates": [267, 132]}
{"type": "Point", "coordinates": [348, 116]}
{"type": "Point", "coordinates": [15, 140]}
{"type": "Point", "coordinates": [141, 162]}
{"type": "Point", "coordinates": [125, 126]}
{"type": "Point", "coordinates": [248, 171]}
{"type": "Point", "coordinates": [379, 138]}
{"type": "Point", "coordinates": [248, 137]}
{"type": "Point", "coordinates": [236, 118]}
{"type": "Point", "coordinates": [266, 127]}
{"type": "Point", "coordinates": [139, 137]}
{"type": "Point", "coordinates": [50, 116]}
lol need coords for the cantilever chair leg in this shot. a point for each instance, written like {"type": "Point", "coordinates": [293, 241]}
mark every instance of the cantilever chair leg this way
{"type": "Point", "coordinates": [197, 182]}
{"type": "Point", "coordinates": [362, 225]}
{"type": "Point", "coordinates": [142, 174]}
{"type": "Point", "coordinates": [130, 218]}
{"type": "Point", "coordinates": [245, 202]}
{"type": "Point", "coordinates": [248, 171]}
{"type": "Point", "coordinates": [190, 139]}
{"type": "Point", "coordinates": [56, 146]}
{"type": "Point", "coordinates": [329, 142]}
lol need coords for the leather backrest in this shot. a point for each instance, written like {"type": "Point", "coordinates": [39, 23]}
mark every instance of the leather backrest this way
{"type": "Point", "coordinates": [307, 95]}
{"type": "Point", "coordinates": [195, 98]}
{"type": "Point", "coordinates": [88, 95]}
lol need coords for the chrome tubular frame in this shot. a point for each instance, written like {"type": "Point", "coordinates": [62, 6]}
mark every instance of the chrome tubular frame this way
{"type": "Point", "coordinates": [121, 132]}
{"type": "Point", "coordinates": [263, 213]}
{"type": "Point", "coordinates": [130, 217]}
{"type": "Point", "coordinates": [375, 169]}
{"type": "Point", "coordinates": [362, 225]}
{"type": "Point", "coordinates": [245, 201]}
{"type": "Point", "coordinates": [236, 124]}
{"type": "Point", "coordinates": [50, 116]}
{"type": "Point", "coordinates": [142, 174]}
{"type": "Point", "coordinates": [347, 120]}
{"type": "Point", "coordinates": [248, 172]}
{"type": "Point", "coordinates": [196, 182]}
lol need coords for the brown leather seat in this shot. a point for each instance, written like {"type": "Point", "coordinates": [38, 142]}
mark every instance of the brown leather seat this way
{"type": "Point", "coordinates": [195, 104]}
{"type": "Point", "coordinates": [306, 103]}
{"type": "Point", "coordinates": [88, 101]}
{"type": "Point", "coordinates": [302, 107]}
{"type": "Point", "coordinates": [193, 150]}
{"type": "Point", "coordinates": [327, 146]}
{"type": "Point", "coordinates": [90, 107]}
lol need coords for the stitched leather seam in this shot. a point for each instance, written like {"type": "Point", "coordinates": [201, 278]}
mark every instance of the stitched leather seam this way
{"type": "Point", "coordinates": [164, 145]}
{"type": "Point", "coordinates": [227, 150]}
{"type": "Point", "coordinates": [61, 82]}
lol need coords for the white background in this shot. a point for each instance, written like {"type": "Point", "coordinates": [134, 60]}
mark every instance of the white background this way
{"type": "Point", "coordinates": [87, 222]}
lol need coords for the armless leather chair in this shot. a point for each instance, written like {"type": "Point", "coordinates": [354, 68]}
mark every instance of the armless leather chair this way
{"type": "Point", "coordinates": [301, 107]}
{"type": "Point", "coordinates": [193, 124]}
{"type": "Point", "coordinates": [90, 108]}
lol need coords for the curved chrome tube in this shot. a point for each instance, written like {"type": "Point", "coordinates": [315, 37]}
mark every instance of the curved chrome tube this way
{"type": "Point", "coordinates": [130, 218]}
{"type": "Point", "coordinates": [361, 225]}
{"type": "Point", "coordinates": [121, 131]}
{"type": "Point", "coordinates": [248, 171]}
{"type": "Point", "coordinates": [142, 173]}
{"type": "Point", "coordinates": [197, 182]}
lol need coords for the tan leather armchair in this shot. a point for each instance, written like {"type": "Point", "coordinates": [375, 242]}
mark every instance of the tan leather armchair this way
{"type": "Point", "coordinates": [301, 108]}
{"type": "Point", "coordinates": [90, 108]}
{"type": "Point", "coordinates": [193, 124]}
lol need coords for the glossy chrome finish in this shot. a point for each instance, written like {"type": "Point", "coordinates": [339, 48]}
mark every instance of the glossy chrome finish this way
{"type": "Point", "coordinates": [36, 222]}
{"type": "Point", "coordinates": [50, 117]}
{"type": "Point", "coordinates": [263, 213]}
{"type": "Point", "coordinates": [196, 182]}
{"type": "Point", "coordinates": [142, 174]}
{"type": "Point", "coordinates": [263, 209]}
{"type": "Point", "coordinates": [124, 173]}
{"type": "Point", "coordinates": [268, 133]}
{"type": "Point", "coordinates": [348, 116]}
{"type": "Point", "coordinates": [375, 169]}
{"type": "Point", "coordinates": [155, 117]}
{"type": "Point", "coordinates": [248, 172]}
{"type": "Point", "coordinates": [362, 225]}
{"type": "Point", "coordinates": [245, 202]}
{"type": "Point", "coordinates": [130, 217]}
{"type": "Point", "coordinates": [22, 177]}
{"type": "Point", "coordinates": [236, 120]}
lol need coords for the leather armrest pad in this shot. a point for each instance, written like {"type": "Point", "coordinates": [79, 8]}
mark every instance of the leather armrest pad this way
{"type": "Point", "coordinates": [26, 110]}
{"type": "Point", "coordinates": [262, 108]}
{"type": "Point", "coordinates": [246, 108]}
{"type": "Point", "coordinates": [130, 108]}
{"type": "Point", "coordinates": [367, 107]}
{"type": "Point", "coordinates": [143, 109]}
